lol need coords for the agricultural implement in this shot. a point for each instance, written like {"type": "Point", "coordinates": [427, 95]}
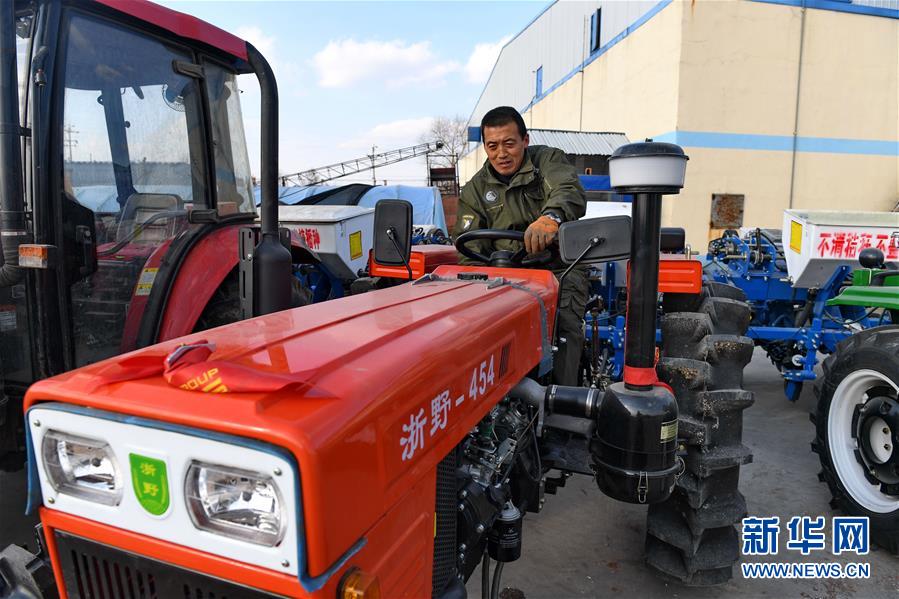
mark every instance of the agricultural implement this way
{"type": "Point", "coordinates": [789, 283]}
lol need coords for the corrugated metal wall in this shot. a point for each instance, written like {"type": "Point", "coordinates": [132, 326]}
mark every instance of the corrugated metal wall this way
{"type": "Point", "coordinates": [891, 4]}
{"type": "Point", "coordinates": [558, 40]}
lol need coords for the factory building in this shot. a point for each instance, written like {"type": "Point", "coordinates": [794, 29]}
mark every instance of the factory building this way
{"type": "Point", "coordinates": [779, 103]}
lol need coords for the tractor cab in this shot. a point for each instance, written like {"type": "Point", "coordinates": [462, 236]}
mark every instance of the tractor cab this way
{"type": "Point", "coordinates": [125, 179]}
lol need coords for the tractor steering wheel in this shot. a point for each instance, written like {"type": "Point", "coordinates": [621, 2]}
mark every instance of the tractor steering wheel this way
{"type": "Point", "coordinates": [501, 258]}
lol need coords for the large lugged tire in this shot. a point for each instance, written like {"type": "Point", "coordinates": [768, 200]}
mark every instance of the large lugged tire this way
{"type": "Point", "coordinates": [691, 537]}
{"type": "Point", "coordinates": [224, 305]}
{"type": "Point", "coordinates": [857, 430]}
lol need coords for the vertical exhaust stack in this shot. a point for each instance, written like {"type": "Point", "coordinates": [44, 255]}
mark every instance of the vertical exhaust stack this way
{"type": "Point", "coordinates": [636, 434]}
{"type": "Point", "coordinates": [12, 203]}
{"type": "Point", "coordinates": [272, 267]}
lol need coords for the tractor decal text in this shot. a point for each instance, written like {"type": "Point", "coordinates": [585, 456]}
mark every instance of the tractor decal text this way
{"type": "Point", "coordinates": [423, 424]}
{"type": "Point", "coordinates": [208, 381]}
{"type": "Point", "coordinates": [311, 237]}
{"type": "Point", "coordinates": [848, 244]}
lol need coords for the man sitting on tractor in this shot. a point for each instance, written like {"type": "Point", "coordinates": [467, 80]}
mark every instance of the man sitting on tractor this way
{"type": "Point", "coordinates": [532, 189]}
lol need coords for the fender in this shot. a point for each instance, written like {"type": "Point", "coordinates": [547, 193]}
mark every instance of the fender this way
{"type": "Point", "coordinates": [139, 296]}
{"type": "Point", "coordinates": [203, 271]}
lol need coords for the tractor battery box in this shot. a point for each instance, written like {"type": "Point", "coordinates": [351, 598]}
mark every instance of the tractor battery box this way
{"type": "Point", "coordinates": [340, 235]}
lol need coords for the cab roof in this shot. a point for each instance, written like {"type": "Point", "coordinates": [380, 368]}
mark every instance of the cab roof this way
{"type": "Point", "coordinates": [182, 25]}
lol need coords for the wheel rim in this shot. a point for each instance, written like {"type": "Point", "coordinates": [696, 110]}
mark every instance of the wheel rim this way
{"type": "Point", "coordinates": [849, 394]}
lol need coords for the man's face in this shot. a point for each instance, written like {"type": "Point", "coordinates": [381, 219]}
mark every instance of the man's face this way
{"type": "Point", "coordinates": [505, 148]}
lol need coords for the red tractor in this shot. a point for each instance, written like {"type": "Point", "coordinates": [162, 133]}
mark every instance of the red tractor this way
{"type": "Point", "coordinates": [125, 189]}
{"type": "Point", "coordinates": [383, 444]}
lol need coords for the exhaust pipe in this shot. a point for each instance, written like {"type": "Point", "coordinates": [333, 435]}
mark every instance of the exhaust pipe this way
{"type": "Point", "coordinates": [271, 260]}
{"type": "Point", "coordinates": [13, 232]}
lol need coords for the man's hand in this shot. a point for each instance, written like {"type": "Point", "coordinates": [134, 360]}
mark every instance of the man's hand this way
{"type": "Point", "coordinates": [540, 234]}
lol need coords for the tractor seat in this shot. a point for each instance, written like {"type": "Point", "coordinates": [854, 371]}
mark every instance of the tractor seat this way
{"type": "Point", "coordinates": [139, 211]}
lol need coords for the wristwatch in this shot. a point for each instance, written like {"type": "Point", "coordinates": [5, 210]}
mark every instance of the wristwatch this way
{"type": "Point", "coordinates": [554, 216]}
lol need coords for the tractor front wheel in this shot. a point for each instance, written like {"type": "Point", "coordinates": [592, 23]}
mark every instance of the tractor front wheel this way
{"type": "Point", "coordinates": [857, 430]}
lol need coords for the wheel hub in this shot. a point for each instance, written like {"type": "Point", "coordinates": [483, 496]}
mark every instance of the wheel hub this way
{"type": "Point", "coordinates": [877, 432]}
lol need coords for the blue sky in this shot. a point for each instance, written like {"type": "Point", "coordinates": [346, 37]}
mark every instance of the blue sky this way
{"type": "Point", "coordinates": [353, 74]}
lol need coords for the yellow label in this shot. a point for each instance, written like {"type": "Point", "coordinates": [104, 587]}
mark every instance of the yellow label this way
{"type": "Point", "coordinates": [669, 431]}
{"type": "Point", "coordinates": [796, 236]}
{"type": "Point", "coordinates": [355, 245]}
{"type": "Point", "coordinates": [145, 282]}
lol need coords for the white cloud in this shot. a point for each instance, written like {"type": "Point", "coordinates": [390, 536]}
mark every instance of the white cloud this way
{"type": "Point", "coordinates": [345, 62]}
{"type": "Point", "coordinates": [391, 135]}
{"type": "Point", "coordinates": [483, 57]}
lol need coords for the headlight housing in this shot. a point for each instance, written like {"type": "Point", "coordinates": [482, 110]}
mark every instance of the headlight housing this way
{"type": "Point", "coordinates": [236, 503]}
{"type": "Point", "coordinates": [81, 467]}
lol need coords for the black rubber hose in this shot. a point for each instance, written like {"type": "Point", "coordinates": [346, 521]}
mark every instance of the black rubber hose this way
{"type": "Point", "coordinates": [497, 575]}
{"type": "Point", "coordinates": [485, 575]}
{"type": "Point", "coordinates": [12, 202]}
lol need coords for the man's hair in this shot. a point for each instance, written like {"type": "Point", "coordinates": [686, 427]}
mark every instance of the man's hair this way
{"type": "Point", "coordinates": [503, 115]}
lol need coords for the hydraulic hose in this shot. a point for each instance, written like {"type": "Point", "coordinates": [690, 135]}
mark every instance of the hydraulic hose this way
{"type": "Point", "coordinates": [497, 576]}
{"type": "Point", "coordinates": [12, 203]}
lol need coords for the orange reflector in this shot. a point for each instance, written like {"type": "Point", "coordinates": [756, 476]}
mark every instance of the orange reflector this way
{"type": "Point", "coordinates": [32, 255]}
{"type": "Point", "coordinates": [359, 585]}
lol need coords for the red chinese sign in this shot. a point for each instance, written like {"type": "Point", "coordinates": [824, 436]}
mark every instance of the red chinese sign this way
{"type": "Point", "coordinates": [848, 244]}
{"type": "Point", "coordinates": [311, 237]}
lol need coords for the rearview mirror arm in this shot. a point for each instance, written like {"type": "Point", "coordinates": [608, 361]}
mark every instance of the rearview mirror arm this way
{"type": "Point", "coordinates": [391, 234]}
{"type": "Point", "coordinates": [594, 241]}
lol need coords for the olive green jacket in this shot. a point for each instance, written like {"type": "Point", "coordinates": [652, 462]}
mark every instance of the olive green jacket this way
{"type": "Point", "coordinates": [546, 182]}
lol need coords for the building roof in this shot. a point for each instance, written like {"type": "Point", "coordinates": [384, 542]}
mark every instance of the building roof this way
{"type": "Point", "coordinates": [579, 143]}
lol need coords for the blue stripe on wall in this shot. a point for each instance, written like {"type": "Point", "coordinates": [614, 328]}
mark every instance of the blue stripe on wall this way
{"type": "Point", "coordinates": [839, 6]}
{"type": "Point", "coordinates": [780, 143]}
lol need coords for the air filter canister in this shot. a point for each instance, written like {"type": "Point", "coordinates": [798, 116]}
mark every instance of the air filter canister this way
{"type": "Point", "coordinates": [634, 448]}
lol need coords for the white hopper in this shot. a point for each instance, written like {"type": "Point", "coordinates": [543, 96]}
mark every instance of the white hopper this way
{"type": "Point", "coordinates": [340, 235]}
{"type": "Point", "coordinates": [816, 242]}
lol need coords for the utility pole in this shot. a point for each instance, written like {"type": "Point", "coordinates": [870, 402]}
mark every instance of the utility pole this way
{"type": "Point", "coordinates": [374, 149]}
{"type": "Point", "coordinates": [69, 141]}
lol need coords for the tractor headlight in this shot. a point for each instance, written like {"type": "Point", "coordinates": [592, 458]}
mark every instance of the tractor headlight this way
{"type": "Point", "coordinates": [236, 503]}
{"type": "Point", "coordinates": [81, 467]}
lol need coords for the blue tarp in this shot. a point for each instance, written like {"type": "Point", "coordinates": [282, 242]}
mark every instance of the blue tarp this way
{"type": "Point", "coordinates": [427, 206]}
{"type": "Point", "coordinates": [104, 198]}
{"type": "Point", "coordinates": [595, 182]}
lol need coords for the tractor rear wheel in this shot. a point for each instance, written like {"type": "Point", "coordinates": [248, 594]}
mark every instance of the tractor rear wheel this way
{"type": "Point", "coordinates": [224, 305]}
{"type": "Point", "coordinates": [857, 430]}
{"type": "Point", "coordinates": [691, 536]}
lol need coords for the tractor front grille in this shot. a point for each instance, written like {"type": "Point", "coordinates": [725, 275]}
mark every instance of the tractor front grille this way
{"type": "Point", "coordinates": [95, 571]}
{"type": "Point", "coordinates": [445, 538]}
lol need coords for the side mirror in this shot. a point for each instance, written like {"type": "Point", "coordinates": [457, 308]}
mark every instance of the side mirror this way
{"type": "Point", "coordinates": [393, 232]}
{"type": "Point", "coordinates": [595, 240]}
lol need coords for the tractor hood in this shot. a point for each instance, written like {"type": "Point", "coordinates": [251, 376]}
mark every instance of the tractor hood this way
{"type": "Point", "coordinates": [368, 393]}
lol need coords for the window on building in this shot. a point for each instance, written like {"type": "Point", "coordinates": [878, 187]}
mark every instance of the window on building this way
{"type": "Point", "coordinates": [538, 91]}
{"type": "Point", "coordinates": [595, 28]}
